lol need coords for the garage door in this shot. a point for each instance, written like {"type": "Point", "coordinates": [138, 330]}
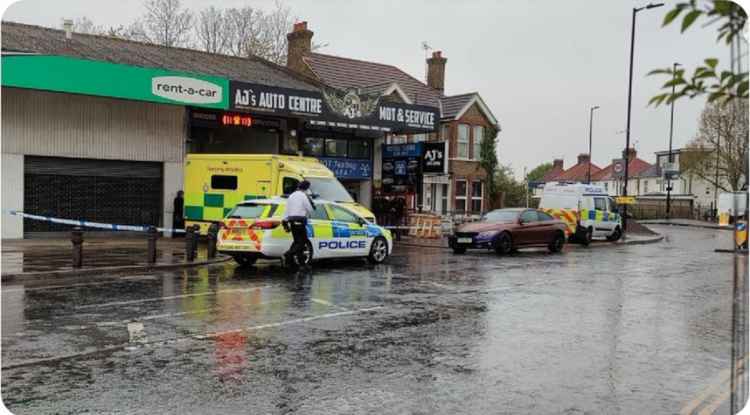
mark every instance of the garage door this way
{"type": "Point", "coordinates": [121, 192]}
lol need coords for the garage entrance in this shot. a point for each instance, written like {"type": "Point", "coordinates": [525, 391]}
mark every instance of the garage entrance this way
{"type": "Point", "coordinates": [110, 191]}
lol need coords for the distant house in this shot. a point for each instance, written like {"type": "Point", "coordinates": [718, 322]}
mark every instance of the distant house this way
{"type": "Point", "coordinates": [640, 177]}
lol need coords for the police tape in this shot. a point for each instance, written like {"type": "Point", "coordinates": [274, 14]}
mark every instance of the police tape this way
{"type": "Point", "coordinates": [87, 224]}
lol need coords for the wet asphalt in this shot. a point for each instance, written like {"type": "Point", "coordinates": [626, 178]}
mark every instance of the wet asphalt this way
{"type": "Point", "coordinates": [641, 329]}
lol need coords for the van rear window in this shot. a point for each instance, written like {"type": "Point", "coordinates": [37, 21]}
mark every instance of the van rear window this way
{"type": "Point", "coordinates": [251, 211]}
{"type": "Point", "coordinates": [224, 182]}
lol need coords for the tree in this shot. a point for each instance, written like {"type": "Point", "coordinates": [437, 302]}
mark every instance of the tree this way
{"type": "Point", "coordinates": [165, 23]}
{"type": "Point", "coordinates": [488, 160]}
{"type": "Point", "coordinates": [723, 136]}
{"type": "Point", "coordinates": [243, 30]}
{"type": "Point", "coordinates": [513, 191]}
{"type": "Point", "coordinates": [212, 30]}
{"type": "Point", "coordinates": [538, 172]}
{"type": "Point", "coordinates": [721, 86]}
{"type": "Point", "coordinates": [84, 25]}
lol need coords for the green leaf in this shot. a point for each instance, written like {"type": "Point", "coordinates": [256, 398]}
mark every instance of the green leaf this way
{"type": "Point", "coordinates": [659, 71]}
{"type": "Point", "coordinates": [714, 96]}
{"type": "Point", "coordinates": [742, 89]}
{"type": "Point", "coordinates": [673, 82]}
{"type": "Point", "coordinates": [669, 17]}
{"type": "Point", "coordinates": [704, 73]}
{"type": "Point", "coordinates": [725, 75]}
{"type": "Point", "coordinates": [656, 100]}
{"type": "Point", "coordinates": [689, 19]}
{"type": "Point", "coordinates": [712, 62]}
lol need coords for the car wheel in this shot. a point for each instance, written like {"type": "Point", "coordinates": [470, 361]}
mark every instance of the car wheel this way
{"type": "Point", "coordinates": [459, 250]}
{"type": "Point", "coordinates": [378, 251]}
{"type": "Point", "coordinates": [504, 244]}
{"type": "Point", "coordinates": [244, 260]}
{"type": "Point", "coordinates": [587, 237]}
{"type": "Point", "coordinates": [557, 243]}
{"type": "Point", "coordinates": [616, 235]}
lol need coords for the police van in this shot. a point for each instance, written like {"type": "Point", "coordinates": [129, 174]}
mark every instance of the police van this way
{"type": "Point", "coordinates": [215, 183]}
{"type": "Point", "coordinates": [253, 230]}
{"type": "Point", "coordinates": [587, 210]}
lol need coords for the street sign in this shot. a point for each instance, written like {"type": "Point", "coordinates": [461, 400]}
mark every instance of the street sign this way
{"type": "Point", "coordinates": [625, 200]}
{"type": "Point", "coordinates": [618, 168]}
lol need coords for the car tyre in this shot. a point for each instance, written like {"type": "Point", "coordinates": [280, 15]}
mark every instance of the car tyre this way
{"type": "Point", "coordinates": [557, 243]}
{"type": "Point", "coordinates": [587, 237]}
{"type": "Point", "coordinates": [616, 235]}
{"type": "Point", "coordinates": [378, 251]}
{"type": "Point", "coordinates": [504, 244]}
{"type": "Point", "coordinates": [245, 260]}
{"type": "Point", "coordinates": [459, 250]}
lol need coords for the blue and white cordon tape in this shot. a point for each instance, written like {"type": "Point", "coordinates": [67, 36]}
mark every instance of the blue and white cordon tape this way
{"type": "Point", "coordinates": [87, 224]}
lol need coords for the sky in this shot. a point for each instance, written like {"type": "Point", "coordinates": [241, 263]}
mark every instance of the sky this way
{"type": "Point", "coordinates": [538, 64]}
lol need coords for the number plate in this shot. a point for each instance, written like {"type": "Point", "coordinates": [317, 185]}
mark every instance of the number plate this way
{"type": "Point", "coordinates": [464, 240]}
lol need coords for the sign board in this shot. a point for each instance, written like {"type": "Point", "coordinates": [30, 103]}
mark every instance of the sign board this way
{"type": "Point", "coordinates": [402, 167]}
{"type": "Point", "coordinates": [348, 168]}
{"type": "Point", "coordinates": [105, 79]}
{"type": "Point", "coordinates": [625, 200]}
{"type": "Point", "coordinates": [618, 168]}
{"type": "Point", "coordinates": [433, 157]}
{"type": "Point", "coordinates": [334, 108]}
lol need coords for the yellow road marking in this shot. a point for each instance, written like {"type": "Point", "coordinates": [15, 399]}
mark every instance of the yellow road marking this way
{"type": "Point", "coordinates": [720, 380]}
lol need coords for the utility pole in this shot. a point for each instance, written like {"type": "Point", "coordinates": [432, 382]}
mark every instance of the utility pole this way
{"type": "Point", "coordinates": [591, 122]}
{"type": "Point", "coordinates": [671, 129]}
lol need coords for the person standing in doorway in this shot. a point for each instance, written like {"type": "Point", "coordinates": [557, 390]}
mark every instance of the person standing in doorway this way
{"type": "Point", "coordinates": [299, 206]}
{"type": "Point", "coordinates": [178, 221]}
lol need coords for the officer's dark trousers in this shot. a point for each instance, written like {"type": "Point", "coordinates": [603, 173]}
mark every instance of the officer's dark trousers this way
{"type": "Point", "coordinates": [299, 233]}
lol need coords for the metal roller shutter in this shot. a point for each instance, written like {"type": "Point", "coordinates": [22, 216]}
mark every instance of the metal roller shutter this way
{"type": "Point", "coordinates": [110, 191]}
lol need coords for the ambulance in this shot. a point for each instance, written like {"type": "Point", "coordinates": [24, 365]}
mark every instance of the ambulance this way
{"type": "Point", "coordinates": [215, 183]}
{"type": "Point", "coordinates": [253, 229]}
{"type": "Point", "coordinates": [587, 210]}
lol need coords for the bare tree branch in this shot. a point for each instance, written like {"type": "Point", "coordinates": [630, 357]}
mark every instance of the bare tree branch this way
{"type": "Point", "coordinates": [165, 23]}
{"type": "Point", "coordinates": [213, 30]}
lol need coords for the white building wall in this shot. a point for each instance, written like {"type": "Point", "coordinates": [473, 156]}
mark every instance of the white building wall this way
{"type": "Point", "coordinates": [12, 195]}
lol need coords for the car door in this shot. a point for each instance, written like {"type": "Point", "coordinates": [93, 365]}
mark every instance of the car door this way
{"type": "Point", "coordinates": [319, 230]}
{"type": "Point", "coordinates": [349, 232]}
{"type": "Point", "coordinates": [601, 227]}
{"type": "Point", "coordinates": [547, 227]}
{"type": "Point", "coordinates": [527, 231]}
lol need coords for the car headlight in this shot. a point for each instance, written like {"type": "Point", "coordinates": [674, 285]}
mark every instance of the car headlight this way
{"type": "Point", "coordinates": [486, 235]}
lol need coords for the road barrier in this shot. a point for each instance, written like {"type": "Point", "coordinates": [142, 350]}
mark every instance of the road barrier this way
{"type": "Point", "coordinates": [87, 224]}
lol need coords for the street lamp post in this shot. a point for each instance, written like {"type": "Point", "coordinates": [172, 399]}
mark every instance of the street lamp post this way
{"type": "Point", "coordinates": [671, 129]}
{"type": "Point", "coordinates": [591, 122]}
{"type": "Point", "coordinates": [630, 99]}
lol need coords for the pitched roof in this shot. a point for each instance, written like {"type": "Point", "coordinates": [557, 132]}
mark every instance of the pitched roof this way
{"type": "Point", "coordinates": [636, 168]}
{"type": "Point", "coordinates": [552, 174]}
{"type": "Point", "coordinates": [454, 104]}
{"type": "Point", "coordinates": [341, 72]}
{"type": "Point", "coordinates": [578, 173]}
{"type": "Point", "coordinates": [20, 37]}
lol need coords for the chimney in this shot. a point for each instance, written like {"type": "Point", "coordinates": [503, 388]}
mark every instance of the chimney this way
{"type": "Point", "coordinates": [583, 158]}
{"type": "Point", "coordinates": [558, 164]}
{"type": "Point", "coordinates": [68, 26]}
{"type": "Point", "coordinates": [631, 154]}
{"type": "Point", "coordinates": [299, 45]}
{"type": "Point", "coordinates": [436, 71]}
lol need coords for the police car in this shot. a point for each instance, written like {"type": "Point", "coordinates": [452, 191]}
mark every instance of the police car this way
{"type": "Point", "coordinates": [253, 230]}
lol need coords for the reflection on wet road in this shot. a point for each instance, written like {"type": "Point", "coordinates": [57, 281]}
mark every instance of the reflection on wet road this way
{"type": "Point", "coordinates": [635, 329]}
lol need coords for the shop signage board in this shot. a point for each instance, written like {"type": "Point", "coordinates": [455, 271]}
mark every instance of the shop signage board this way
{"type": "Point", "coordinates": [625, 200]}
{"type": "Point", "coordinates": [433, 157]}
{"type": "Point", "coordinates": [333, 108]}
{"type": "Point", "coordinates": [105, 79]}
{"type": "Point", "coordinates": [348, 168]}
{"type": "Point", "coordinates": [402, 167]}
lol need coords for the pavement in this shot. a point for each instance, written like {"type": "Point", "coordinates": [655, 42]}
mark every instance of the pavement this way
{"type": "Point", "coordinates": [685, 222]}
{"type": "Point", "coordinates": [635, 329]}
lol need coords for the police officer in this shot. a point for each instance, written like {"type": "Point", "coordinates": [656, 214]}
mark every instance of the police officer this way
{"type": "Point", "coordinates": [299, 206]}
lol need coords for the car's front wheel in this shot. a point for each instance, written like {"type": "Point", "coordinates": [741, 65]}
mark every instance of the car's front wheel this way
{"type": "Point", "coordinates": [557, 243]}
{"type": "Point", "coordinates": [616, 235]}
{"type": "Point", "coordinates": [378, 251]}
{"type": "Point", "coordinates": [587, 237]}
{"type": "Point", "coordinates": [503, 244]}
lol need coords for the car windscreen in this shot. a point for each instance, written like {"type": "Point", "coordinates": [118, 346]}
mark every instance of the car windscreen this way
{"type": "Point", "coordinates": [501, 216]}
{"type": "Point", "coordinates": [329, 189]}
{"type": "Point", "coordinates": [249, 211]}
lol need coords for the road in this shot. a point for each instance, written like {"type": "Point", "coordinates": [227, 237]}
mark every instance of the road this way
{"type": "Point", "coordinates": [642, 329]}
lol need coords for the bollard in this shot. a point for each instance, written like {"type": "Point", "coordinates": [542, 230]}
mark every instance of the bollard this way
{"type": "Point", "coordinates": [151, 236]}
{"type": "Point", "coordinates": [213, 232]}
{"type": "Point", "coordinates": [76, 237]}
{"type": "Point", "coordinates": [196, 239]}
{"type": "Point", "coordinates": [189, 252]}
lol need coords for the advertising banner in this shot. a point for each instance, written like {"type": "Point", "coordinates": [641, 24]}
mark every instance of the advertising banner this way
{"type": "Point", "coordinates": [348, 168]}
{"type": "Point", "coordinates": [434, 157]}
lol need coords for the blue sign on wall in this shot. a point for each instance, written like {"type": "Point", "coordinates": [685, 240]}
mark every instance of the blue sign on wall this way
{"type": "Point", "coordinates": [402, 150]}
{"type": "Point", "coordinates": [348, 168]}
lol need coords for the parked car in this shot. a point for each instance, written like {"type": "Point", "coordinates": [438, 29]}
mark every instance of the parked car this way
{"type": "Point", "coordinates": [504, 230]}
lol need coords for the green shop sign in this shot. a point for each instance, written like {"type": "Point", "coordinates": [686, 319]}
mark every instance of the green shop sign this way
{"type": "Point", "coordinates": [80, 76]}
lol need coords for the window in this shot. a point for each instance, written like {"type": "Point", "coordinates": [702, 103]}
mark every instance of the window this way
{"type": "Point", "coordinates": [645, 186]}
{"type": "Point", "coordinates": [477, 148]}
{"type": "Point", "coordinates": [529, 216]}
{"type": "Point", "coordinates": [224, 182]}
{"type": "Point", "coordinates": [606, 186]}
{"type": "Point", "coordinates": [445, 132]}
{"type": "Point", "coordinates": [343, 215]}
{"type": "Point", "coordinates": [543, 216]}
{"type": "Point", "coordinates": [396, 139]}
{"type": "Point", "coordinates": [476, 196]}
{"type": "Point", "coordinates": [460, 196]}
{"type": "Point", "coordinates": [291, 145]}
{"type": "Point", "coordinates": [444, 197]}
{"type": "Point", "coordinates": [313, 146]}
{"type": "Point", "coordinates": [463, 141]}
{"type": "Point", "coordinates": [600, 203]}
{"type": "Point", "coordinates": [249, 211]}
{"type": "Point", "coordinates": [319, 213]}
{"type": "Point", "coordinates": [289, 185]}
{"type": "Point", "coordinates": [336, 147]}
{"type": "Point", "coordinates": [418, 138]}
{"type": "Point", "coordinates": [359, 149]}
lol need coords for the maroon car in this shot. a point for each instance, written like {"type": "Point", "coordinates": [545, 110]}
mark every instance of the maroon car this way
{"type": "Point", "coordinates": [504, 230]}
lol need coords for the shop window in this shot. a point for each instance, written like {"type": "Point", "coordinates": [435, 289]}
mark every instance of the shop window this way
{"type": "Point", "coordinates": [220, 182]}
{"type": "Point", "coordinates": [359, 149]}
{"type": "Point", "coordinates": [476, 196]}
{"type": "Point", "coordinates": [336, 147]}
{"type": "Point", "coordinates": [444, 199]}
{"type": "Point", "coordinates": [463, 141]}
{"type": "Point", "coordinates": [418, 138]}
{"type": "Point", "coordinates": [290, 145]}
{"type": "Point", "coordinates": [313, 146]}
{"type": "Point", "coordinates": [477, 145]}
{"type": "Point", "coordinates": [460, 196]}
{"type": "Point", "coordinates": [396, 139]}
{"type": "Point", "coordinates": [289, 185]}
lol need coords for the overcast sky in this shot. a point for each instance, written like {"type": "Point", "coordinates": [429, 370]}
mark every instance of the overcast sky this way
{"type": "Point", "coordinates": [539, 64]}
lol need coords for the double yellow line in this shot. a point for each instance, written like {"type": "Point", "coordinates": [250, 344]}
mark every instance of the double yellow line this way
{"type": "Point", "coordinates": [718, 391]}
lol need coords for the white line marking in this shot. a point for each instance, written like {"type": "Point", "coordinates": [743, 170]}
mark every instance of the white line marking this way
{"type": "Point", "coordinates": [172, 297]}
{"type": "Point", "coordinates": [82, 284]}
